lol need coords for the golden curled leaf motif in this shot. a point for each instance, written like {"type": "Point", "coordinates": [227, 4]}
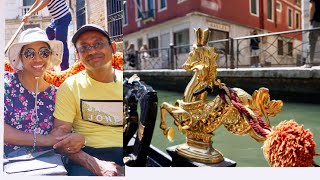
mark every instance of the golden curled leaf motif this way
{"type": "Point", "coordinates": [262, 105]}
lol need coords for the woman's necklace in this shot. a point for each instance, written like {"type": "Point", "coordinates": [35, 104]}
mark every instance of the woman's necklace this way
{"type": "Point", "coordinates": [30, 85]}
{"type": "Point", "coordinates": [34, 88]}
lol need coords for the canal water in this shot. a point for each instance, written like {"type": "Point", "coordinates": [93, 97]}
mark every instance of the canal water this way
{"type": "Point", "coordinates": [242, 149]}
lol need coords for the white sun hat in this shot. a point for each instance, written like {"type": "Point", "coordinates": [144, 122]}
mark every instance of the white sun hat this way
{"type": "Point", "coordinates": [29, 36]}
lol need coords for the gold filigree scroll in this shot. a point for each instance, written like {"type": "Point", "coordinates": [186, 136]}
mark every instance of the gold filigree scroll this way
{"type": "Point", "coordinates": [198, 118]}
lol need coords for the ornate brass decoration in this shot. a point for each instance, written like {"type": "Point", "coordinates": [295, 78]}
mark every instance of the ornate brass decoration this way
{"type": "Point", "coordinates": [198, 118]}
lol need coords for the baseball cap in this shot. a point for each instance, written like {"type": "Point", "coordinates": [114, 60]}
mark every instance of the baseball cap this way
{"type": "Point", "coordinates": [90, 27]}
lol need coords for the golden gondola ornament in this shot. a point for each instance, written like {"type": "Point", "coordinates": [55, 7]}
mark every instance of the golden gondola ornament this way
{"type": "Point", "coordinates": [198, 118]}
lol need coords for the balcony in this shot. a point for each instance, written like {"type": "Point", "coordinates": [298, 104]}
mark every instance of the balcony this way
{"type": "Point", "coordinates": [25, 9]}
{"type": "Point", "coordinates": [148, 16]}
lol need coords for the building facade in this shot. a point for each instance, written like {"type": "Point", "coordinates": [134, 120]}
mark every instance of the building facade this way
{"type": "Point", "coordinates": [159, 23]}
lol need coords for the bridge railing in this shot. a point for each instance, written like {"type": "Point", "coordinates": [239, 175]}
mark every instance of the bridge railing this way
{"type": "Point", "coordinates": [280, 49]}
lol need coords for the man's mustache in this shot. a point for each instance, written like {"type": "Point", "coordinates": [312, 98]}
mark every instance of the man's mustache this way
{"type": "Point", "coordinates": [93, 56]}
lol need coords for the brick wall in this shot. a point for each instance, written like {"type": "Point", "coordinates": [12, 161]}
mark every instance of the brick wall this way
{"type": "Point", "coordinates": [97, 12]}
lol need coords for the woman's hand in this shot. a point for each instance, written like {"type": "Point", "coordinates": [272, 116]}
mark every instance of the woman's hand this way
{"type": "Point", "coordinates": [51, 139]}
{"type": "Point", "coordinates": [70, 143]}
{"type": "Point", "coordinates": [59, 131]}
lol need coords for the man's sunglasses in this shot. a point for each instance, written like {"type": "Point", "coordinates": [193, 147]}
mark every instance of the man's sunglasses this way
{"type": "Point", "coordinates": [98, 45]}
{"type": "Point", "coordinates": [30, 53]}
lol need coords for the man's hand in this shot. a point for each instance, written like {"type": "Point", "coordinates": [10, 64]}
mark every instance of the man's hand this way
{"type": "Point", "coordinates": [70, 143]}
{"type": "Point", "coordinates": [107, 168]}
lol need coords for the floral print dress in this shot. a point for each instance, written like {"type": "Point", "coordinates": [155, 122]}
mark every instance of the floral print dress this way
{"type": "Point", "coordinates": [19, 109]}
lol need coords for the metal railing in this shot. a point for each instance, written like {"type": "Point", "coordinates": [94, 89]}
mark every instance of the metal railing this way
{"type": "Point", "coordinates": [281, 49]}
{"type": "Point", "coordinates": [287, 48]}
{"type": "Point", "coordinates": [115, 16]}
{"type": "Point", "coordinates": [148, 15]}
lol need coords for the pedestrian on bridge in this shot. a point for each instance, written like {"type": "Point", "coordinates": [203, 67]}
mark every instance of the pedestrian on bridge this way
{"type": "Point", "coordinates": [313, 35]}
{"type": "Point", "coordinates": [255, 50]}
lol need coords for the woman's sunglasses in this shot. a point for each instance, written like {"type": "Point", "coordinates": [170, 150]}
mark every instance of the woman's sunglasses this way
{"type": "Point", "coordinates": [30, 53]}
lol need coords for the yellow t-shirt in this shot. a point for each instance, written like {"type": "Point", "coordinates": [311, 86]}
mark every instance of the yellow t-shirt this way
{"type": "Point", "coordinates": [94, 108]}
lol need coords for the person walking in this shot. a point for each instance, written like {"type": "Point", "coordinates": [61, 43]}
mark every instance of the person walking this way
{"type": "Point", "coordinates": [255, 50]}
{"type": "Point", "coordinates": [144, 56]}
{"type": "Point", "coordinates": [131, 55]}
{"type": "Point", "coordinates": [58, 28]}
{"type": "Point", "coordinates": [314, 10]}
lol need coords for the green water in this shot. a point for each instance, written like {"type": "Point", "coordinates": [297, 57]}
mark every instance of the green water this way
{"type": "Point", "coordinates": [242, 149]}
